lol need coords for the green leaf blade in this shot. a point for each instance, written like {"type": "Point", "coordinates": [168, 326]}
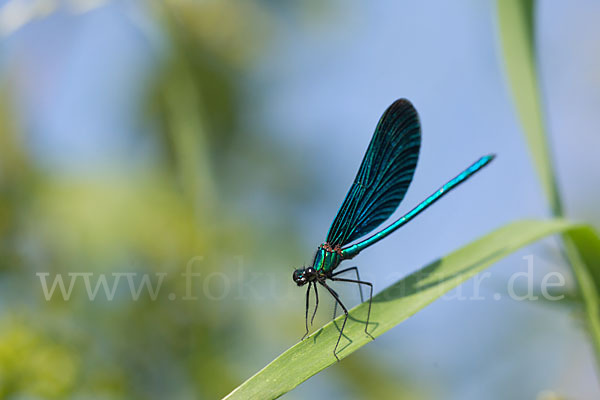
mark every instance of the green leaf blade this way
{"type": "Point", "coordinates": [516, 24]}
{"type": "Point", "coordinates": [398, 302]}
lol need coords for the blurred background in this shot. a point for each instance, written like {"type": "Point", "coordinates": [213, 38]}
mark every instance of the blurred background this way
{"type": "Point", "coordinates": [219, 138]}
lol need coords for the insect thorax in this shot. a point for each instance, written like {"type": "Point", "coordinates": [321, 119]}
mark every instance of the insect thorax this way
{"type": "Point", "coordinates": [327, 258]}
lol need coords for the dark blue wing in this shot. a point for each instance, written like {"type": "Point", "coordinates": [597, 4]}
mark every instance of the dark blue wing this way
{"type": "Point", "coordinates": [383, 177]}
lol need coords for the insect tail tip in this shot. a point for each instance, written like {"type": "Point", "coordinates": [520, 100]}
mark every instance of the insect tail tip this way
{"type": "Point", "coordinates": [487, 158]}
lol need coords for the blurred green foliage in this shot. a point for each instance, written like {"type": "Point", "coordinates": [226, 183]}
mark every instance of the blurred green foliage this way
{"type": "Point", "coordinates": [188, 201]}
{"type": "Point", "coordinates": [517, 33]}
{"type": "Point", "coordinates": [153, 220]}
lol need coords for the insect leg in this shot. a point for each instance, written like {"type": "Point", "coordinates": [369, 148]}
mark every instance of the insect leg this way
{"type": "Point", "coordinates": [306, 312]}
{"type": "Point", "coordinates": [337, 299]}
{"type": "Point", "coordinates": [335, 310]}
{"type": "Point", "coordinates": [370, 297]}
{"type": "Point", "coordinates": [316, 305]}
{"type": "Point", "coordinates": [357, 278]}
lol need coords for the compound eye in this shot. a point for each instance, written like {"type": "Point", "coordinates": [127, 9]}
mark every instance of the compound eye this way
{"type": "Point", "coordinates": [310, 271]}
{"type": "Point", "coordinates": [296, 275]}
{"type": "Point", "coordinates": [299, 277]}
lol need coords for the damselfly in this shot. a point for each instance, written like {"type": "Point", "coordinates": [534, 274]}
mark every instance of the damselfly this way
{"type": "Point", "coordinates": [380, 185]}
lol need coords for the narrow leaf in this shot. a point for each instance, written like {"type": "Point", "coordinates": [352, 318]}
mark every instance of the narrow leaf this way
{"type": "Point", "coordinates": [516, 22]}
{"type": "Point", "coordinates": [515, 19]}
{"type": "Point", "coordinates": [403, 299]}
